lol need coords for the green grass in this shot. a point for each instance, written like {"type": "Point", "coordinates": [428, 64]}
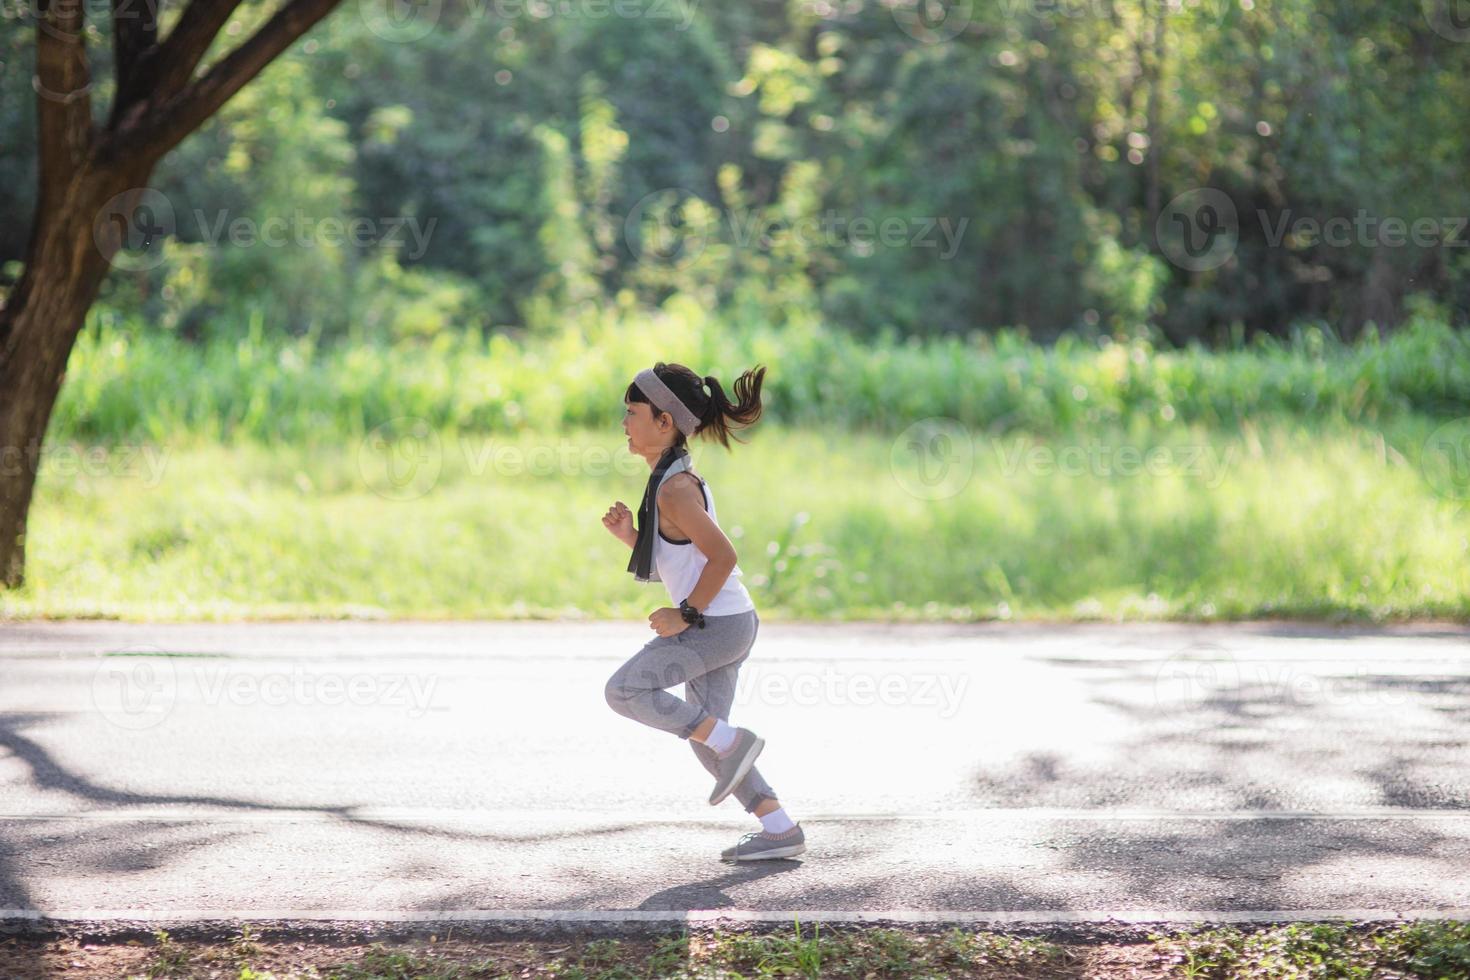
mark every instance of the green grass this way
{"type": "Point", "coordinates": [1420, 950]}
{"type": "Point", "coordinates": [881, 953]}
{"type": "Point", "coordinates": [1324, 951]}
{"type": "Point", "coordinates": [1280, 519]}
{"type": "Point", "coordinates": [807, 952]}
{"type": "Point", "coordinates": [129, 382]}
{"type": "Point", "coordinates": [958, 479]}
{"type": "Point", "coordinates": [170, 958]}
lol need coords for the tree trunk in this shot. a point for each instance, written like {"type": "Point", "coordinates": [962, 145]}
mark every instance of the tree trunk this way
{"type": "Point", "coordinates": [90, 180]}
{"type": "Point", "coordinates": [39, 323]}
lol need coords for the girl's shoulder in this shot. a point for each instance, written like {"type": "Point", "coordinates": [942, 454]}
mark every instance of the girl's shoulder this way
{"type": "Point", "coordinates": [685, 478]}
{"type": "Point", "coordinates": [683, 481]}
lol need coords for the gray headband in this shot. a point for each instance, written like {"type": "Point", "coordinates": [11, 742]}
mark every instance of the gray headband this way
{"type": "Point", "coordinates": [663, 398]}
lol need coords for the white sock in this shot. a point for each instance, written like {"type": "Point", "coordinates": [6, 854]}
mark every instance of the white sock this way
{"type": "Point", "coordinates": [777, 822]}
{"type": "Point", "coordinates": [721, 738]}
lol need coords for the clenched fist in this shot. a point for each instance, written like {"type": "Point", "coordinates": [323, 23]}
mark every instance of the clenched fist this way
{"type": "Point", "coordinates": [619, 520]}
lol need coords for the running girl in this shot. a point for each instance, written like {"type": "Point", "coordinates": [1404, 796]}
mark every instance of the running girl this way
{"type": "Point", "coordinates": [705, 637]}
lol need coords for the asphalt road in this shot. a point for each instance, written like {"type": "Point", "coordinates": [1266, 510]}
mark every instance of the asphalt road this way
{"type": "Point", "coordinates": [993, 773]}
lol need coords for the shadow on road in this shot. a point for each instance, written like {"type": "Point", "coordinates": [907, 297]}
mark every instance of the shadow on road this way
{"type": "Point", "coordinates": [1248, 737]}
{"type": "Point", "coordinates": [709, 893]}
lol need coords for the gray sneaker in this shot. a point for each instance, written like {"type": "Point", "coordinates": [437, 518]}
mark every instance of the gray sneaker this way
{"type": "Point", "coordinates": [759, 846]}
{"type": "Point", "coordinates": [733, 767]}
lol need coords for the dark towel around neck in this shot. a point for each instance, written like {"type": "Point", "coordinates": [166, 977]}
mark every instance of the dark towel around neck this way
{"type": "Point", "coordinates": [641, 563]}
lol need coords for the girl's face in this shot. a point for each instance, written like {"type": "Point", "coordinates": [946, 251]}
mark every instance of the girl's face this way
{"type": "Point", "coordinates": [644, 431]}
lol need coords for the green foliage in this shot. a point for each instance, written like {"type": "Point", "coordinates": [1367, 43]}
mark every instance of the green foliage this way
{"type": "Point", "coordinates": [1431, 948]}
{"type": "Point", "coordinates": [1128, 284]}
{"type": "Point", "coordinates": [169, 958]}
{"type": "Point", "coordinates": [1249, 473]}
{"type": "Point", "coordinates": [256, 205]}
{"type": "Point", "coordinates": [1323, 951]}
{"type": "Point", "coordinates": [125, 381]}
{"type": "Point", "coordinates": [1422, 949]}
{"type": "Point", "coordinates": [883, 953]}
{"type": "Point", "coordinates": [1020, 164]}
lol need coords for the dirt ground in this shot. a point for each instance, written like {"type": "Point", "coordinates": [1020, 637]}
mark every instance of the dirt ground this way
{"type": "Point", "coordinates": [34, 960]}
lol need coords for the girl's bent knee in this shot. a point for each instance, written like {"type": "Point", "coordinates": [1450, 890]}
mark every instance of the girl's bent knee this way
{"type": "Point", "coordinates": [617, 694]}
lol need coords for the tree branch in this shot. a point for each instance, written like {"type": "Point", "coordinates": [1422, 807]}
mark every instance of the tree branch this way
{"type": "Point", "coordinates": [189, 41]}
{"type": "Point", "coordinates": [63, 84]}
{"type": "Point", "coordinates": [134, 38]}
{"type": "Point", "coordinates": [169, 117]}
{"type": "Point", "coordinates": [134, 31]}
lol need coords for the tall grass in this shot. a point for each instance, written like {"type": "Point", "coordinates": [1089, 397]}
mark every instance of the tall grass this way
{"type": "Point", "coordinates": [957, 479]}
{"type": "Point", "coordinates": [125, 382]}
{"type": "Point", "coordinates": [1285, 519]}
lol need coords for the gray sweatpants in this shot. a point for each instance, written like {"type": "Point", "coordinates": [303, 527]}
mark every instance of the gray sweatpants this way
{"type": "Point", "coordinates": [706, 662]}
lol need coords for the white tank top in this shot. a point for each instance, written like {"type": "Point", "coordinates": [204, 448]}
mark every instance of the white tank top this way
{"type": "Point", "coordinates": [681, 563]}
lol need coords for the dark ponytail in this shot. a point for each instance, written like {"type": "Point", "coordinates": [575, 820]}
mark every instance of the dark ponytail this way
{"type": "Point", "coordinates": [718, 416]}
{"type": "Point", "coordinates": [722, 414]}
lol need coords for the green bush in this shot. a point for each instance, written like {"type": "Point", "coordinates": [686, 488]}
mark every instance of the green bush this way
{"type": "Point", "coordinates": [125, 381]}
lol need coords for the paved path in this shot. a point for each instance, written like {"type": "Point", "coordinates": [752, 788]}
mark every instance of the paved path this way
{"type": "Point", "coordinates": [991, 773]}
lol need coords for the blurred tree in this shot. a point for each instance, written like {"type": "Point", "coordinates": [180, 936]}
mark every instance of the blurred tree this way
{"type": "Point", "coordinates": [92, 175]}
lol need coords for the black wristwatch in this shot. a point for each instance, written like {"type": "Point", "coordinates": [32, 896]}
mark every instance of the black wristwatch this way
{"type": "Point", "coordinates": [691, 615]}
